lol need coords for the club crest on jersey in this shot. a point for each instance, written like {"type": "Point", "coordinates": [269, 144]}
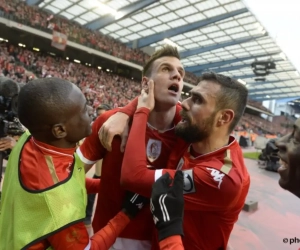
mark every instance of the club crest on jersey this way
{"type": "Point", "coordinates": [153, 149]}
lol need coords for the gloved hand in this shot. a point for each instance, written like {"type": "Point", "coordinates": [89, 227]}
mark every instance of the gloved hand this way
{"type": "Point", "coordinates": [167, 205]}
{"type": "Point", "coordinates": [133, 203]}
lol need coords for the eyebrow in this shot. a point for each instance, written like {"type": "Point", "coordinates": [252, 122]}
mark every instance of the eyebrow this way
{"type": "Point", "coordinates": [168, 64]}
{"type": "Point", "coordinates": [196, 94]}
{"type": "Point", "coordinates": [296, 127]}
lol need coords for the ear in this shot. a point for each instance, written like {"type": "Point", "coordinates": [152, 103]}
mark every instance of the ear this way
{"type": "Point", "coordinates": [59, 131]}
{"type": "Point", "coordinates": [145, 82]}
{"type": "Point", "coordinates": [225, 117]}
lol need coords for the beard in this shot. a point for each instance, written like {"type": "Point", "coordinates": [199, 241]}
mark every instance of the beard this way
{"type": "Point", "coordinates": [191, 132]}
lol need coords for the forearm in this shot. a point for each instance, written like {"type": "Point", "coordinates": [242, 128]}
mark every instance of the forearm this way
{"type": "Point", "coordinates": [130, 108]}
{"type": "Point", "coordinates": [106, 237]}
{"type": "Point", "coordinates": [135, 175]}
{"type": "Point", "coordinates": [92, 185]}
{"type": "Point", "coordinates": [171, 243]}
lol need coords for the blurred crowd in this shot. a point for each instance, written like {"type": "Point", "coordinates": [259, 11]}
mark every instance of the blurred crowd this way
{"type": "Point", "coordinates": [98, 86]}
{"type": "Point", "coordinates": [42, 20]}
{"type": "Point", "coordinates": [32, 16]}
{"type": "Point", "coordinates": [258, 105]}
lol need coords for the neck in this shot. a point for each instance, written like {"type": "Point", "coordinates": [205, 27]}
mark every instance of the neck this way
{"type": "Point", "coordinates": [162, 119]}
{"type": "Point", "coordinates": [55, 143]}
{"type": "Point", "coordinates": [210, 144]}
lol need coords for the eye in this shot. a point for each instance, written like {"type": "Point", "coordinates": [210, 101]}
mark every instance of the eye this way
{"type": "Point", "coordinates": [165, 69]}
{"type": "Point", "coordinates": [196, 99]}
{"type": "Point", "coordinates": [295, 141]}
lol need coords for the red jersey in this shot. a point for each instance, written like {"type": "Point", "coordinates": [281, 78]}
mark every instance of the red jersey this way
{"type": "Point", "coordinates": [41, 167]}
{"type": "Point", "coordinates": [110, 197]}
{"type": "Point", "coordinates": [171, 243]}
{"type": "Point", "coordinates": [215, 186]}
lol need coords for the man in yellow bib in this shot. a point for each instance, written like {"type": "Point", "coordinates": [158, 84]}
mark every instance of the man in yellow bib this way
{"type": "Point", "coordinates": [44, 191]}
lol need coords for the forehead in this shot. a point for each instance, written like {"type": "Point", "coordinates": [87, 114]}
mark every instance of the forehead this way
{"type": "Point", "coordinates": [77, 96]}
{"type": "Point", "coordinates": [207, 88]}
{"type": "Point", "coordinates": [167, 59]}
{"type": "Point", "coordinates": [297, 123]}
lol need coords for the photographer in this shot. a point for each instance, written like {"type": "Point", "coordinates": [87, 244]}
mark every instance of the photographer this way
{"type": "Point", "coordinates": [10, 126]}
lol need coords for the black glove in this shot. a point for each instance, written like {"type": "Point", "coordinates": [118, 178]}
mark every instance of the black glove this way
{"type": "Point", "coordinates": [133, 203]}
{"type": "Point", "coordinates": [167, 205]}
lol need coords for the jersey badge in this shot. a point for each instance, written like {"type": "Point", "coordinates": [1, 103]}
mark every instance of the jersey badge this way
{"type": "Point", "coordinates": [188, 182]}
{"type": "Point", "coordinates": [153, 149]}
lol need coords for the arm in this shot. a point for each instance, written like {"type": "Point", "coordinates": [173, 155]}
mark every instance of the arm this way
{"type": "Point", "coordinates": [92, 185]}
{"type": "Point", "coordinates": [117, 125]}
{"type": "Point", "coordinates": [7, 143]}
{"type": "Point", "coordinates": [106, 237]}
{"type": "Point", "coordinates": [130, 108]}
{"type": "Point", "coordinates": [91, 149]}
{"type": "Point", "coordinates": [76, 236]}
{"type": "Point", "coordinates": [136, 177]}
{"type": "Point", "coordinates": [171, 243]}
{"type": "Point", "coordinates": [167, 199]}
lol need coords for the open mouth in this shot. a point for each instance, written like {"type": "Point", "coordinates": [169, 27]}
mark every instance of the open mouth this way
{"type": "Point", "coordinates": [283, 165]}
{"type": "Point", "coordinates": [174, 88]}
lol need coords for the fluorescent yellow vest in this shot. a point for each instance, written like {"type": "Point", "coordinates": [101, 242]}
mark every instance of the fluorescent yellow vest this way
{"type": "Point", "coordinates": [27, 217]}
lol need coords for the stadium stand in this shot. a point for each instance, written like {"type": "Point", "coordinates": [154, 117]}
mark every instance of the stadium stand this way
{"type": "Point", "coordinates": [98, 85]}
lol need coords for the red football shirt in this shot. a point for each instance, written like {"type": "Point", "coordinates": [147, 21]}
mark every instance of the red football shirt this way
{"type": "Point", "coordinates": [215, 186]}
{"type": "Point", "coordinates": [41, 167]}
{"type": "Point", "coordinates": [110, 197]}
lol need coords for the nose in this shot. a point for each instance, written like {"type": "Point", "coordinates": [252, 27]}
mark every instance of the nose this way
{"type": "Point", "coordinates": [176, 75]}
{"type": "Point", "coordinates": [185, 104]}
{"type": "Point", "coordinates": [281, 142]}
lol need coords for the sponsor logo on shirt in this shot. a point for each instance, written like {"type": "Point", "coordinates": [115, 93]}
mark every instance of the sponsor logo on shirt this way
{"type": "Point", "coordinates": [153, 149]}
{"type": "Point", "coordinates": [217, 176]}
{"type": "Point", "coordinates": [188, 182]}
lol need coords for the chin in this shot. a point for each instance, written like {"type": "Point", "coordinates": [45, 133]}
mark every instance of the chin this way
{"type": "Point", "coordinates": [170, 102]}
{"type": "Point", "coordinates": [89, 132]}
{"type": "Point", "coordinates": [282, 183]}
{"type": "Point", "coordinates": [167, 100]}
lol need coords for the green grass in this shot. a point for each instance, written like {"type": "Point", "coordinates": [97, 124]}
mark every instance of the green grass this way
{"type": "Point", "coordinates": [251, 155]}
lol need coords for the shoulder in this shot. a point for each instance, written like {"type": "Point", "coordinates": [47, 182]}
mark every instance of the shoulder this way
{"type": "Point", "coordinates": [104, 117]}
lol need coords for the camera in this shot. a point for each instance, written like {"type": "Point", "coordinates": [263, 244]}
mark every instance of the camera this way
{"type": "Point", "coordinates": [9, 122]}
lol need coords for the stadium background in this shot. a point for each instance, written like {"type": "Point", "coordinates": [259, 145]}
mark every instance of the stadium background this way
{"type": "Point", "coordinates": [101, 47]}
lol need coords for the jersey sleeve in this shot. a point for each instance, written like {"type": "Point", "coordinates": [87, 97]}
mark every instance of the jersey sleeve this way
{"type": "Point", "coordinates": [207, 189]}
{"type": "Point", "coordinates": [171, 243]}
{"type": "Point", "coordinates": [106, 237]}
{"type": "Point", "coordinates": [130, 108]}
{"type": "Point", "coordinates": [92, 185]}
{"type": "Point", "coordinates": [91, 149]}
{"type": "Point", "coordinates": [134, 175]}
{"type": "Point", "coordinates": [76, 236]}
